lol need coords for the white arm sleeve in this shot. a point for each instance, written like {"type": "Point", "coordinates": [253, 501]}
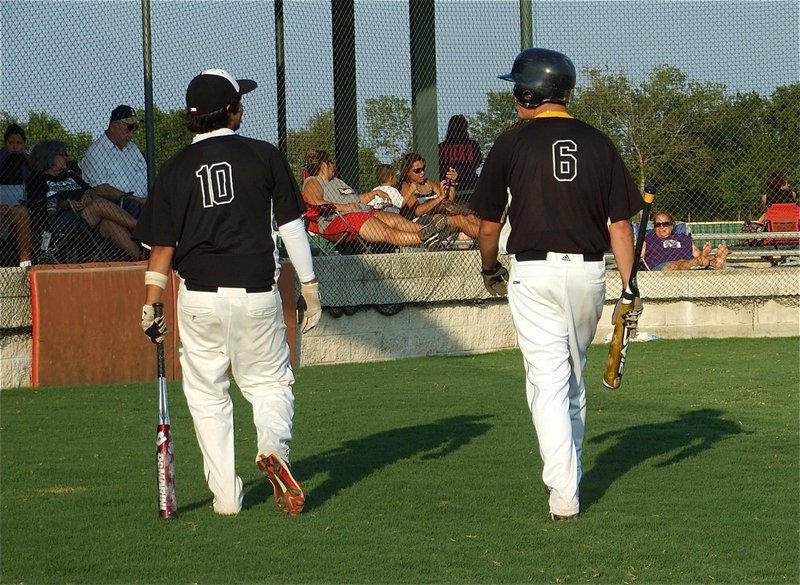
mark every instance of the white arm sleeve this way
{"type": "Point", "coordinates": [295, 239]}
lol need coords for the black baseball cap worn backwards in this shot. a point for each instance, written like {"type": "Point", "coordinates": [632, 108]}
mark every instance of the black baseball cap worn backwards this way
{"type": "Point", "coordinates": [213, 89]}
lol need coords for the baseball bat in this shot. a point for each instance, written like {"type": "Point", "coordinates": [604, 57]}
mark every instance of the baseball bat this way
{"type": "Point", "coordinates": [615, 364]}
{"type": "Point", "coordinates": [165, 457]}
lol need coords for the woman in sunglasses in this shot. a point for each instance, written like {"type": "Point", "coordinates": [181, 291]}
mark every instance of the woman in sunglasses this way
{"type": "Point", "coordinates": [666, 250]}
{"type": "Point", "coordinates": [424, 199]}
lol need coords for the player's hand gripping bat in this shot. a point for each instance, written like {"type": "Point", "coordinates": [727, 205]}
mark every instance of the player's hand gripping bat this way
{"type": "Point", "coordinates": [624, 327]}
{"type": "Point", "coordinates": [165, 458]}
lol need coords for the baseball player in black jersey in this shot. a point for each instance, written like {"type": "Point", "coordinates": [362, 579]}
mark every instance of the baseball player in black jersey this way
{"type": "Point", "coordinates": [568, 199]}
{"type": "Point", "coordinates": [210, 218]}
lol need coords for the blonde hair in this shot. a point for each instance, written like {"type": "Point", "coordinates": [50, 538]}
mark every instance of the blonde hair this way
{"type": "Point", "coordinates": [665, 213]}
{"type": "Point", "coordinates": [384, 174]}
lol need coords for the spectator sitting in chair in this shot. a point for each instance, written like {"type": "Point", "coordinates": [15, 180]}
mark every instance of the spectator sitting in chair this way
{"type": "Point", "coordinates": [54, 190]}
{"type": "Point", "coordinates": [354, 215]}
{"type": "Point", "coordinates": [423, 197]}
{"type": "Point", "coordinates": [666, 250]}
{"type": "Point", "coordinates": [777, 191]}
{"type": "Point", "coordinates": [114, 159]}
{"type": "Point", "coordinates": [15, 168]}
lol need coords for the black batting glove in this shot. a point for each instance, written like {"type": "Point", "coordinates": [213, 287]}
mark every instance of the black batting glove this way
{"type": "Point", "coordinates": [496, 280]}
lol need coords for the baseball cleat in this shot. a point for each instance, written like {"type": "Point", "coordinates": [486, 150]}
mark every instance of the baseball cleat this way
{"type": "Point", "coordinates": [563, 518]}
{"type": "Point", "coordinates": [287, 490]}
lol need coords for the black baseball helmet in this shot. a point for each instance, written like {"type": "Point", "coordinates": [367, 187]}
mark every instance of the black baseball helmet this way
{"type": "Point", "coordinates": [541, 75]}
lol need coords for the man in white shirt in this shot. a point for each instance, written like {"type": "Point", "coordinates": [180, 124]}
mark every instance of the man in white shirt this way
{"type": "Point", "coordinates": [114, 159]}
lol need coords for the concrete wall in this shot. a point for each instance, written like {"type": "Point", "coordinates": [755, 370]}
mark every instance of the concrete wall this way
{"type": "Point", "coordinates": [469, 328]}
{"type": "Point", "coordinates": [454, 316]}
{"type": "Point", "coordinates": [463, 319]}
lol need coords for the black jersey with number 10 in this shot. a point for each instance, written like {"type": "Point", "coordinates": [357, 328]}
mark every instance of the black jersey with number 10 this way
{"type": "Point", "coordinates": [215, 201]}
{"type": "Point", "coordinates": [562, 180]}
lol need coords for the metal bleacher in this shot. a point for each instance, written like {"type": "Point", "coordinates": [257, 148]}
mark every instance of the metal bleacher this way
{"type": "Point", "coordinates": [757, 247]}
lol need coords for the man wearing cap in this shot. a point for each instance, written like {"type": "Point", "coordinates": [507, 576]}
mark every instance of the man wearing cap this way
{"type": "Point", "coordinates": [210, 217]}
{"type": "Point", "coordinates": [114, 159]}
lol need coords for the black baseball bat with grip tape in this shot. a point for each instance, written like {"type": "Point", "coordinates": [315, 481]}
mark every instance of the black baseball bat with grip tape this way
{"type": "Point", "coordinates": [165, 457]}
{"type": "Point", "coordinates": [615, 364]}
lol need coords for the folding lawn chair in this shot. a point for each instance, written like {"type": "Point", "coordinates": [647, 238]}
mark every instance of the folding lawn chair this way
{"type": "Point", "coordinates": [782, 217]}
{"type": "Point", "coordinates": [70, 240]}
{"type": "Point", "coordinates": [344, 240]}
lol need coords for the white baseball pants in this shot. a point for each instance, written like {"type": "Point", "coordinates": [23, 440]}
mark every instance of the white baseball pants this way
{"type": "Point", "coordinates": [245, 331]}
{"type": "Point", "coordinates": [556, 305]}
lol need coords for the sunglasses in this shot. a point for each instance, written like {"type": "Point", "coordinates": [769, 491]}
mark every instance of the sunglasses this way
{"type": "Point", "coordinates": [662, 224]}
{"type": "Point", "coordinates": [64, 154]}
{"type": "Point", "coordinates": [132, 127]}
{"type": "Point", "coordinates": [418, 170]}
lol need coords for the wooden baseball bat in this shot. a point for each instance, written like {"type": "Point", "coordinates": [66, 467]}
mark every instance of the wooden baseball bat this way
{"type": "Point", "coordinates": [615, 364]}
{"type": "Point", "coordinates": [165, 457]}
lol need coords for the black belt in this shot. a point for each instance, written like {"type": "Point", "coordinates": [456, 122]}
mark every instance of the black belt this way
{"type": "Point", "coordinates": [203, 288]}
{"type": "Point", "coordinates": [529, 255]}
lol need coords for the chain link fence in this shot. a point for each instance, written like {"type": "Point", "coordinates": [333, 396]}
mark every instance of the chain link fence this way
{"type": "Point", "coordinates": [702, 98]}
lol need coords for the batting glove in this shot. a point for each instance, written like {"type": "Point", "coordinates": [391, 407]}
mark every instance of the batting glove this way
{"type": "Point", "coordinates": [154, 328]}
{"type": "Point", "coordinates": [496, 280]}
{"type": "Point", "coordinates": [309, 307]}
{"type": "Point", "coordinates": [632, 300]}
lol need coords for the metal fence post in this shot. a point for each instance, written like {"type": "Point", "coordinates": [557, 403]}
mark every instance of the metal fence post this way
{"type": "Point", "coordinates": [149, 124]}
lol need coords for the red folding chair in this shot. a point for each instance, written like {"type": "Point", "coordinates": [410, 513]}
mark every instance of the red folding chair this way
{"type": "Point", "coordinates": [783, 217]}
{"type": "Point", "coordinates": [344, 240]}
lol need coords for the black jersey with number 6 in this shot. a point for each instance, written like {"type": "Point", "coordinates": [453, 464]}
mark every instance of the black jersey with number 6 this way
{"type": "Point", "coordinates": [562, 180]}
{"type": "Point", "coordinates": [215, 201]}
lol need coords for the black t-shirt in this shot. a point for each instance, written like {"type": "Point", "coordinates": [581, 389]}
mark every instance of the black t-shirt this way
{"type": "Point", "coordinates": [39, 186]}
{"type": "Point", "coordinates": [780, 196]}
{"type": "Point", "coordinates": [215, 201]}
{"type": "Point", "coordinates": [562, 180]}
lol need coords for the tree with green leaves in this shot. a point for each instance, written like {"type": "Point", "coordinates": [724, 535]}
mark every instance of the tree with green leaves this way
{"type": "Point", "coordinates": [655, 126]}
{"type": "Point", "coordinates": [783, 121]}
{"type": "Point", "coordinates": [388, 126]}
{"type": "Point", "coordinates": [499, 115]}
{"type": "Point", "coordinates": [171, 134]}
{"type": "Point", "coordinates": [706, 150]}
{"type": "Point", "coordinates": [41, 126]}
{"type": "Point", "coordinates": [316, 135]}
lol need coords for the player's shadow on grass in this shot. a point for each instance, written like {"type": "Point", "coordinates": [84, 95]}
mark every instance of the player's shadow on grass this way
{"type": "Point", "coordinates": [689, 434]}
{"type": "Point", "coordinates": [354, 460]}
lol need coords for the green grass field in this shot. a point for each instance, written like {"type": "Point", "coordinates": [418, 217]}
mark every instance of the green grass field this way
{"type": "Point", "coordinates": [425, 471]}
